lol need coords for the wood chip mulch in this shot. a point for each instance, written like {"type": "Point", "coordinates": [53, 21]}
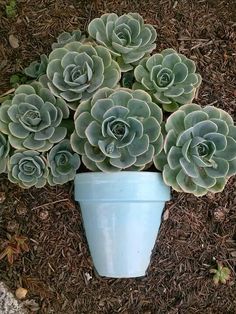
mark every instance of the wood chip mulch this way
{"type": "Point", "coordinates": [195, 233]}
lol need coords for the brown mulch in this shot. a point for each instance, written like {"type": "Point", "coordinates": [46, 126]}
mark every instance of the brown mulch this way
{"type": "Point", "coordinates": [191, 238]}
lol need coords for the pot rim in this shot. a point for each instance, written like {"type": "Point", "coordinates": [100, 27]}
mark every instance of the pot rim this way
{"type": "Point", "coordinates": [124, 186]}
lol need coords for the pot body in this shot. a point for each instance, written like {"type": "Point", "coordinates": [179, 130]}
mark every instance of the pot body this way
{"type": "Point", "coordinates": [121, 214]}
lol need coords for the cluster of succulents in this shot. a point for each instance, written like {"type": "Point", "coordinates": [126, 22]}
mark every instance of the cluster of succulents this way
{"type": "Point", "coordinates": [99, 98]}
{"type": "Point", "coordinates": [31, 125]}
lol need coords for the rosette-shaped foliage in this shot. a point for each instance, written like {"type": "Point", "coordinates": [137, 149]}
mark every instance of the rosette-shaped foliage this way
{"type": "Point", "coordinates": [4, 152]}
{"type": "Point", "coordinates": [36, 69]}
{"type": "Point", "coordinates": [77, 71]}
{"type": "Point", "coordinates": [63, 163]}
{"type": "Point", "coordinates": [117, 129]}
{"type": "Point", "coordinates": [199, 150]}
{"type": "Point", "coordinates": [170, 77]}
{"type": "Point", "coordinates": [27, 169]}
{"type": "Point", "coordinates": [32, 118]}
{"type": "Point", "coordinates": [66, 37]}
{"type": "Point", "coordinates": [127, 37]}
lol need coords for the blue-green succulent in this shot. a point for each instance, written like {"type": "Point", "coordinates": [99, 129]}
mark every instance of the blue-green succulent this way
{"type": "Point", "coordinates": [36, 69]}
{"type": "Point", "coordinates": [76, 71]}
{"type": "Point", "coordinates": [32, 118]}
{"type": "Point", "coordinates": [199, 152]}
{"type": "Point", "coordinates": [127, 37]}
{"type": "Point", "coordinates": [27, 169]}
{"type": "Point", "coordinates": [117, 129]}
{"type": "Point", "coordinates": [63, 163]}
{"type": "Point", "coordinates": [169, 77]}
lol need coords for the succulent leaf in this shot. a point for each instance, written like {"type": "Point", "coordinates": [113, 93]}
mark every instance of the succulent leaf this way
{"type": "Point", "coordinates": [36, 69]}
{"type": "Point", "coordinates": [4, 152]}
{"type": "Point", "coordinates": [67, 37]}
{"type": "Point", "coordinates": [199, 153]}
{"type": "Point", "coordinates": [117, 129]}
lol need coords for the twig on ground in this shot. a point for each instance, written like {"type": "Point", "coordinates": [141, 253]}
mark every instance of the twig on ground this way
{"type": "Point", "coordinates": [50, 203]}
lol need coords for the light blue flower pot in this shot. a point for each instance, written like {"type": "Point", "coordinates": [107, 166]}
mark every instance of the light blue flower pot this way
{"type": "Point", "coordinates": [122, 215]}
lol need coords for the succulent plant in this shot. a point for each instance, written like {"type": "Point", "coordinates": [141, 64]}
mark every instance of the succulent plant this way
{"type": "Point", "coordinates": [36, 69]}
{"type": "Point", "coordinates": [170, 77]}
{"type": "Point", "coordinates": [126, 36]}
{"type": "Point", "coordinates": [76, 71]}
{"type": "Point", "coordinates": [32, 118]}
{"type": "Point", "coordinates": [66, 37]}
{"type": "Point", "coordinates": [117, 129]}
{"type": "Point", "coordinates": [4, 152]}
{"type": "Point", "coordinates": [199, 152]}
{"type": "Point", "coordinates": [27, 169]}
{"type": "Point", "coordinates": [63, 163]}
{"type": "Point", "coordinates": [221, 274]}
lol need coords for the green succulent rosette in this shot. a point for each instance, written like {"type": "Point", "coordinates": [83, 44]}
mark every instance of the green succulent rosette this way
{"type": "Point", "coordinates": [67, 37]}
{"type": "Point", "coordinates": [32, 118]}
{"type": "Point", "coordinates": [76, 71]}
{"type": "Point", "coordinates": [199, 152]}
{"type": "Point", "coordinates": [4, 152]}
{"type": "Point", "coordinates": [169, 77]}
{"type": "Point", "coordinates": [27, 169]}
{"type": "Point", "coordinates": [117, 129]}
{"type": "Point", "coordinates": [36, 69]}
{"type": "Point", "coordinates": [127, 37]}
{"type": "Point", "coordinates": [63, 163]}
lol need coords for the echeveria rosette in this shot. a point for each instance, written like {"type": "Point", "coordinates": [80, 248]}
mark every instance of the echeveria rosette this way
{"type": "Point", "coordinates": [63, 163]}
{"type": "Point", "coordinates": [27, 169]}
{"type": "Point", "coordinates": [127, 37]}
{"type": "Point", "coordinates": [169, 77]}
{"type": "Point", "coordinates": [4, 152]}
{"type": "Point", "coordinates": [36, 69]}
{"type": "Point", "coordinates": [199, 152]}
{"type": "Point", "coordinates": [67, 37]}
{"type": "Point", "coordinates": [33, 117]}
{"type": "Point", "coordinates": [76, 71]}
{"type": "Point", "coordinates": [117, 129]}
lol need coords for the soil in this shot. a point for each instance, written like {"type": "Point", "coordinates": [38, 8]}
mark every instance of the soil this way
{"type": "Point", "coordinates": [196, 233]}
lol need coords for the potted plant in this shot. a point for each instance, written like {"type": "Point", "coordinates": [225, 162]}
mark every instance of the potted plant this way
{"type": "Point", "coordinates": [119, 130]}
{"type": "Point", "coordinates": [99, 98]}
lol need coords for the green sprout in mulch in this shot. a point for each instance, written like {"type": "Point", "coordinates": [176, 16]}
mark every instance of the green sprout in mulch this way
{"type": "Point", "coordinates": [11, 9]}
{"type": "Point", "coordinates": [17, 79]}
{"type": "Point", "coordinates": [221, 274]}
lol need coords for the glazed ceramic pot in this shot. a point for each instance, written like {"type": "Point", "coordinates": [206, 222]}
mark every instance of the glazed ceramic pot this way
{"type": "Point", "coordinates": [121, 214]}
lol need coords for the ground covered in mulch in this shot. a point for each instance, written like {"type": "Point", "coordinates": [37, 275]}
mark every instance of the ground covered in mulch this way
{"type": "Point", "coordinates": [195, 233]}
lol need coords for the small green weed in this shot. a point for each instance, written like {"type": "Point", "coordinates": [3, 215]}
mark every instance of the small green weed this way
{"type": "Point", "coordinates": [11, 9]}
{"type": "Point", "coordinates": [17, 79]}
{"type": "Point", "coordinates": [221, 274]}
